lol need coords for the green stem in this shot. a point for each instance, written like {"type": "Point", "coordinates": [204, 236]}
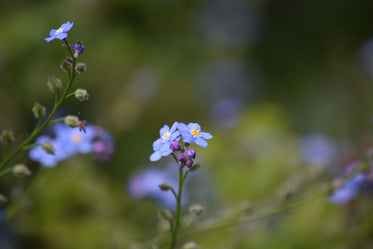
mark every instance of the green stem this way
{"type": "Point", "coordinates": [177, 214]}
{"type": "Point", "coordinates": [38, 128]}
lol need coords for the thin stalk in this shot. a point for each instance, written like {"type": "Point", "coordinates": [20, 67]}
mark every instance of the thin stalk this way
{"type": "Point", "coordinates": [38, 128]}
{"type": "Point", "coordinates": [178, 207]}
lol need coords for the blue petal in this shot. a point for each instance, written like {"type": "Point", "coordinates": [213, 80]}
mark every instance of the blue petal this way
{"type": "Point", "coordinates": [174, 126]}
{"type": "Point", "coordinates": [206, 135]}
{"type": "Point", "coordinates": [166, 152]}
{"type": "Point", "coordinates": [67, 26]}
{"type": "Point", "coordinates": [52, 32]}
{"type": "Point", "coordinates": [199, 141]}
{"type": "Point", "coordinates": [183, 127]}
{"type": "Point", "coordinates": [174, 135]}
{"type": "Point", "coordinates": [157, 144]}
{"type": "Point", "coordinates": [163, 130]}
{"type": "Point", "coordinates": [188, 138]}
{"type": "Point", "coordinates": [165, 146]}
{"type": "Point", "coordinates": [60, 36]}
{"type": "Point", "coordinates": [155, 156]}
{"type": "Point", "coordinates": [49, 39]}
{"type": "Point", "coordinates": [194, 126]}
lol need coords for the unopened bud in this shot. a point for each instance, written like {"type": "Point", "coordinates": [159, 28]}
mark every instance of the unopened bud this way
{"type": "Point", "coordinates": [3, 199]}
{"type": "Point", "coordinates": [175, 146]}
{"type": "Point", "coordinates": [80, 68]}
{"type": "Point", "coordinates": [54, 84]}
{"type": "Point", "coordinates": [195, 167]}
{"type": "Point", "coordinates": [166, 214]}
{"type": "Point", "coordinates": [7, 137]}
{"type": "Point", "coordinates": [181, 158]}
{"type": "Point", "coordinates": [48, 147]}
{"type": "Point", "coordinates": [191, 153]}
{"type": "Point", "coordinates": [164, 186]}
{"type": "Point", "coordinates": [189, 163]}
{"type": "Point", "coordinates": [71, 121]}
{"type": "Point", "coordinates": [81, 94]}
{"type": "Point", "coordinates": [38, 110]}
{"type": "Point", "coordinates": [190, 245]}
{"type": "Point", "coordinates": [21, 170]}
{"type": "Point", "coordinates": [67, 64]}
{"type": "Point", "coordinates": [196, 209]}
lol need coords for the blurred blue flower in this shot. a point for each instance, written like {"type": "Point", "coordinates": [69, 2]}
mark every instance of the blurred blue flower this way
{"type": "Point", "coordinates": [145, 185]}
{"type": "Point", "coordinates": [317, 150]}
{"type": "Point", "coordinates": [59, 33]}
{"type": "Point", "coordinates": [38, 154]}
{"type": "Point", "coordinates": [75, 140]}
{"type": "Point", "coordinates": [70, 141]}
{"type": "Point", "coordinates": [192, 133]}
{"type": "Point", "coordinates": [349, 191]}
{"type": "Point", "coordinates": [161, 146]}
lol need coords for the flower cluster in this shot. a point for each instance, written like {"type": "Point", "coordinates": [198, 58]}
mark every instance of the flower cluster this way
{"type": "Point", "coordinates": [169, 142]}
{"type": "Point", "coordinates": [70, 141]}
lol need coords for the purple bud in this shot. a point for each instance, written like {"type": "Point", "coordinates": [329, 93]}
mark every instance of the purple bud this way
{"type": "Point", "coordinates": [191, 153]}
{"type": "Point", "coordinates": [181, 158]}
{"type": "Point", "coordinates": [174, 145]}
{"type": "Point", "coordinates": [189, 163]}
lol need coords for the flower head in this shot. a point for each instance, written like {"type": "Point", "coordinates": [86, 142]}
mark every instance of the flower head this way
{"type": "Point", "coordinates": [79, 48]}
{"type": "Point", "coordinates": [192, 133]}
{"type": "Point", "coordinates": [59, 33]}
{"type": "Point", "coordinates": [161, 146]}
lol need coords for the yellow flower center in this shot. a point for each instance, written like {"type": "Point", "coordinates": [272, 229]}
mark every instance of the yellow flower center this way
{"type": "Point", "coordinates": [60, 30]}
{"type": "Point", "coordinates": [166, 136]}
{"type": "Point", "coordinates": [76, 138]}
{"type": "Point", "coordinates": [195, 133]}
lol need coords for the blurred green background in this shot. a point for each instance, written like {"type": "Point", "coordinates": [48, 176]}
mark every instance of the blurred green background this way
{"type": "Point", "coordinates": [259, 75]}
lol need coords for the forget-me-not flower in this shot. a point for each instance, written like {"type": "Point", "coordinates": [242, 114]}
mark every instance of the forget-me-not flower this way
{"type": "Point", "coordinates": [74, 140]}
{"type": "Point", "coordinates": [59, 33]}
{"type": "Point", "coordinates": [48, 160]}
{"type": "Point", "coordinates": [192, 133]}
{"type": "Point", "coordinates": [349, 191]}
{"type": "Point", "coordinates": [161, 146]}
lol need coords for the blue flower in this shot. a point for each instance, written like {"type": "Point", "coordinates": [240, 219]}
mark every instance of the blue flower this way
{"type": "Point", "coordinates": [48, 160]}
{"type": "Point", "coordinates": [75, 140]}
{"type": "Point", "coordinates": [59, 33]}
{"type": "Point", "coordinates": [145, 185]}
{"type": "Point", "coordinates": [192, 133]}
{"type": "Point", "coordinates": [161, 146]}
{"type": "Point", "coordinates": [349, 191]}
{"type": "Point", "coordinates": [78, 47]}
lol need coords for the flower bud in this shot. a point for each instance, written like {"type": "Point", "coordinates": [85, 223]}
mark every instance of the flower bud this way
{"type": "Point", "coordinates": [189, 163]}
{"type": "Point", "coordinates": [164, 186]}
{"type": "Point", "coordinates": [191, 153]}
{"type": "Point", "coordinates": [190, 245]}
{"type": "Point", "coordinates": [54, 84]}
{"type": "Point", "coordinates": [67, 64]}
{"type": "Point", "coordinates": [195, 167]}
{"type": "Point", "coordinates": [21, 170]}
{"type": "Point", "coordinates": [196, 209]}
{"type": "Point", "coordinates": [166, 214]}
{"type": "Point", "coordinates": [3, 199]}
{"type": "Point", "coordinates": [38, 110]}
{"type": "Point", "coordinates": [181, 158]}
{"type": "Point", "coordinates": [80, 68]}
{"type": "Point", "coordinates": [48, 147]}
{"type": "Point", "coordinates": [81, 94]}
{"type": "Point", "coordinates": [175, 146]}
{"type": "Point", "coordinates": [71, 121]}
{"type": "Point", "coordinates": [7, 137]}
